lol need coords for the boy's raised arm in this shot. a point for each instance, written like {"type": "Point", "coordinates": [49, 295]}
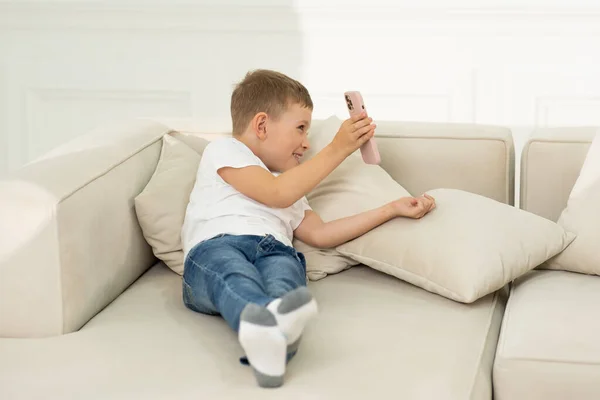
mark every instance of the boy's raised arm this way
{"type": "Point", "coordinates": [284, 190]}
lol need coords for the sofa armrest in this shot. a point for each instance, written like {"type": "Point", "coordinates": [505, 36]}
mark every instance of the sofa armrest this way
{"type": "Point", "coordinates": [550, 164]}
{"type": "Point", "coordinates": [70, 242]}
{"type": "Point", "coordinates": [423, 156]}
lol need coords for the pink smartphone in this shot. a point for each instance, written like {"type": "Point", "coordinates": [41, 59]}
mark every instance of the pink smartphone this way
{"type": "Point", "coordinates": [356, 105]}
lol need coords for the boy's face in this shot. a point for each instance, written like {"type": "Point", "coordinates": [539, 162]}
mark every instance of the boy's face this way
{"type": "Point", "coordinates": [286, 139]}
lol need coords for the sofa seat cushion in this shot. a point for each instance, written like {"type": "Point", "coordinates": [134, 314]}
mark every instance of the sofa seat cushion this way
{"type": "Point", "coordinates": [549, 346]}
{"type": "Point", "coordinates": [375, 336]}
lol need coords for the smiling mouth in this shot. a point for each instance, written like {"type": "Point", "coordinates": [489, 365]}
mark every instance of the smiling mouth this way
{"type": "Point", "coordinates": [297, 156]}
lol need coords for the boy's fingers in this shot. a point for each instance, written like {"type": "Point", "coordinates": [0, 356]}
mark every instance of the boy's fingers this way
{"type": "Point", "coordinates": [358, 117]}
{"type": "Point", "coordinates": [362, 123]}
{"type": "Point", "coordinates": [365, 130]}
{"type": "Point", "coordinates": [430, 201]}
{"type": "Point", "coordinates": [365, 137]}
{"type": "Point", "coordinates": [431, 207]}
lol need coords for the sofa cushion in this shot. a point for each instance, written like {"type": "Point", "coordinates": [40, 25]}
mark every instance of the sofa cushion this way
{"type": "Point", "coordinates": [550, 164]}
{"type": "Point", "coordinates": [161, 206]}
{"type": "Point", "coordinates": [422, 156]}
{"type": "Point", "coordinates": [581, 217]}
{"type": "Point", "coordinates": [464, 249]}
{"type": "Point", "coordinates": [549, 348]}
{"type": "Point", "coordinates": [375, 336]}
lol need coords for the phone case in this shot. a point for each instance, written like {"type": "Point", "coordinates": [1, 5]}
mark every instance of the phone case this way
{"type": "Point", "coordinates": [356, 105]}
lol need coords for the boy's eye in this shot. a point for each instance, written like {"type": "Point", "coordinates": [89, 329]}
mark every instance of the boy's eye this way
{"type": "Point", "coordinates": [301, 127]}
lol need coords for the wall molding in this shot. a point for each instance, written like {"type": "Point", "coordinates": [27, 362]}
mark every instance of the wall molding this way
{"type": "Point", "coordinates": [169, 18]}
{"type": "Point", "coordinates": [36, 98]}
{"type": "Point", "coordinates": [4, 141]}
{"type": "Point", "coordinates": [212, 17]}
{"type": "Point", "coordinates": [48, 93]}
{"type": "Point", "coordinates": [545, 104]}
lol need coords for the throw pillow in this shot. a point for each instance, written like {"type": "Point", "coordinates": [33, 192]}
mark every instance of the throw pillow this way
{"type": "Point", "coordinates": [466, 248]}
{"type": "Point", "coordinates": [582, 217]}
{"type": "Point", "coordinates": [161, 206]}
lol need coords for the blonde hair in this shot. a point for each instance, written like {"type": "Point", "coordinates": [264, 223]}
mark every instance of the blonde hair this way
{"type": "Point", "coordinates": [265, 91]}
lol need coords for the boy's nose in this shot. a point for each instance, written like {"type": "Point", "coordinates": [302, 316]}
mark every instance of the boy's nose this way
{"type": "Point", "coordinates": [306, 144]}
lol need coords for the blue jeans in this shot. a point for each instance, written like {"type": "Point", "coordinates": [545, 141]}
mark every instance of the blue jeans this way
{"type": "Point", "coordinates": [223, 274]}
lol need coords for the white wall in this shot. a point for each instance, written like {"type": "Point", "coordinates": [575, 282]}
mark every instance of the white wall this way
{"type": "Point", "coordinates": [66, 67]}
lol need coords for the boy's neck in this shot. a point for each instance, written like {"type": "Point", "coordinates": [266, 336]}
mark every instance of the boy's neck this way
{"type": "Point", "coordinates": [253, 143]}
{"type": "Point", "coordinates": [250, 141]}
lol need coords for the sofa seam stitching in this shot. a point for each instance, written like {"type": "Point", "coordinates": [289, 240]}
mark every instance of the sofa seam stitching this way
{"type": "Point", "coordinates": [113, 166]}
{"type": "Point", "coordinates": [503, 329]}
{"type": "Point", "coordinates": [439, 137]}
{"type": "Point", "coordinates": [507, 160]}
{"type": "Point", "coordinates": [558, 141]}
{"type": "Point", "coordinates": [59, 263]}
{"type": "Point", "coordinates": [551, 361]}
{"type": "Point", "coordinates": [524, 179]}
{"type": "Point", "coordinates": [435, 284]}
{"type": "Point", "coordinates": [484, 342]}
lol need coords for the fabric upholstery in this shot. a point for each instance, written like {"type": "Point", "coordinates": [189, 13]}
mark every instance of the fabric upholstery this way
{"type": "Point", "coordinates": [550, 164]}
{"type": "Point", "coordinates": [161, 206]}
{"type": "Point", "coordinates": [462, 152]}
{"type": "Point", "coordinates": [422, 156]}
{"type": "Point", "coordinates": [582, 216]}
{"type": "Point", "coordinates": [467, 247]}
{"type": "Point", "coordinates": [74, 243]}
{"type": "Point", "coordinates": [549, 348]}
{"type": "Point", "coordinates": [375, 337]}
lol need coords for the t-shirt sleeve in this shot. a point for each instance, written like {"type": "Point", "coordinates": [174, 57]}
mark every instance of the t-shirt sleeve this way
{"type": "Point", "coordinates": [305, 205]}
{"type": "Point", "coordinates": [301, 207]}
{"type": "Point", "coordinates": [226, 153]}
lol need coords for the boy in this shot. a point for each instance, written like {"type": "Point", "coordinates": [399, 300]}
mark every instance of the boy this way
{"type": "Point", "coordinates": [247, 205]}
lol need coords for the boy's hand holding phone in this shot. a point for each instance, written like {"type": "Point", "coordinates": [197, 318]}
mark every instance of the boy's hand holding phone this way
{"type": "Point", "coordinates": [353, 133]}
{"type": "Point", "coordinates": [356, 107]}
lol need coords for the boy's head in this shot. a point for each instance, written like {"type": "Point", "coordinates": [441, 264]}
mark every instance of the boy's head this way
{"type": "Point", "coordinates": [273, 113]}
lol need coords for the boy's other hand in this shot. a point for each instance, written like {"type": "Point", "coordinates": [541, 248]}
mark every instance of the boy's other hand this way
{"type": "Point", "coordinates": [413, 207]}
{"type": "Point", "coordinates": [353, 133]}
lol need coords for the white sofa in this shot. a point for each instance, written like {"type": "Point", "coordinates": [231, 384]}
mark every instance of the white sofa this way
{"type": "Point", "coordinates": [549, 346]}
{"type": "Point", "coordinates": [86, 311]}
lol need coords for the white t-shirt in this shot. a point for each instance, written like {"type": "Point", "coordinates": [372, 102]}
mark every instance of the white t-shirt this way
{"type": "Point", "coordinates": [215, 207]}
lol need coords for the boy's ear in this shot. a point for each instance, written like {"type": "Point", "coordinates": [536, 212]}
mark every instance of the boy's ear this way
{"type": "Point", "coordinates": [259, 125]}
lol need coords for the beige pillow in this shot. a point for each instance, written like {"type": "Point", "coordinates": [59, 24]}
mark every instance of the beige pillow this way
{"type": "Point", "coordinates": [582, 217]}
{"type": "Point", "coordinates": [466, 248]}
{"type": "Point", "coordinates": [353, 187]}
{"type": "Point", "coordinates": [161, 206]}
